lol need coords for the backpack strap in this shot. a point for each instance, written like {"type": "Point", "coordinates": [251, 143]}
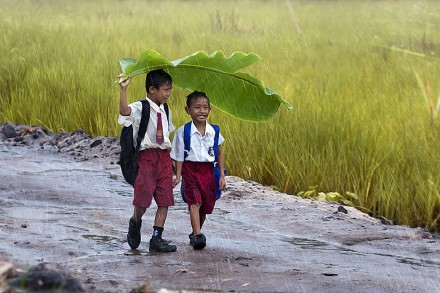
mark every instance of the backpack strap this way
{"type": "Point", "coordinates": [144, 121]}
{"type": "Point", "coordinates": [167, 110]}
{"type": "Point", "coordinates": [143, 124]}
{"type": "Point", "coordinates": [215, 146]}
{"type": "Point", "coordinates": [186, 139]}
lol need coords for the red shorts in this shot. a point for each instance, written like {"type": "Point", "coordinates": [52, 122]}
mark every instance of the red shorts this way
{"type": "Point", "coordinates": [198, 184]}
{"type": "Point", "coordinates": [154, 179]}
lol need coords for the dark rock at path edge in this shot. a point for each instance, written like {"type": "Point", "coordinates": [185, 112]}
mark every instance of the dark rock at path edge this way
{"type": "Point", "coordinates": [47, 277]}
{"type": "Point", "coordinates": [78, 144]}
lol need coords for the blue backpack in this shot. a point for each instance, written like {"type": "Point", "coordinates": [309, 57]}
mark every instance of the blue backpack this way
{"type": "Point", "coordinates": [187, 147]}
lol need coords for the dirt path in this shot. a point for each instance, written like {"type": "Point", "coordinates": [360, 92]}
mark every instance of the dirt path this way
{"type": "Point", "coordinates": [56, 209]}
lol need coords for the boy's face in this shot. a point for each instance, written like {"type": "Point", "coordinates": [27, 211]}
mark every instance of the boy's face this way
{"type": "Point", "coordinates": [160, 95]}
{"type": "Point", "coordinates": [199, 110]}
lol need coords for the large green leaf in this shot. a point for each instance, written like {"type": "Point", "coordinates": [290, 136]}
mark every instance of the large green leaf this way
{"type": "Point", "coordinates": [238, 94]}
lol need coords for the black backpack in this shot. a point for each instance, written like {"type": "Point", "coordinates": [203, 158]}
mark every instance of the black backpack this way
{"type": "Point", "coordinates": [128, 158]}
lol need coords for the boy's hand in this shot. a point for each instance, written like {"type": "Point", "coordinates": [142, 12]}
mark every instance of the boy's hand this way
{"type": "Point", "coordinates": [123, 83]}
{"type": "Point", "coordinates": [222, 183]}
{"type": "Point", "coordinates": [176, 181]}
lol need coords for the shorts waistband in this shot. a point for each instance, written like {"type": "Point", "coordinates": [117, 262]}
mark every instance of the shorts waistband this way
{"type": "Point", "coordinates": [154, 150]}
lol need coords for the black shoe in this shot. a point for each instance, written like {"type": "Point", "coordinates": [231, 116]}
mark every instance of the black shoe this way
{"type": "Point", "coordinates": [199, 241]}
{"type": "Point", "coordinates": [134, 234]}
{"type": "Point", "coordinates": [167, 241]}
{"type": "Point", "coordinates": [191, 239]}
{"type": "Point", "coordinates": [157, 244]}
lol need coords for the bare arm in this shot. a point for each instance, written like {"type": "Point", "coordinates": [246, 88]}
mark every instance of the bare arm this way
{"type": "Point", "coordinates": [221, 166]}
{"type": "Point", "coordinates": [124, 109]}
{"type": "Point", "coordinates": [179, 165]}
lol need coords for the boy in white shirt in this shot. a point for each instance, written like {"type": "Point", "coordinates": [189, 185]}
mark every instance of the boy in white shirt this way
{"type": "Point", "coordinates": [155, 175]}
{"type": "Point", "coordinates": [196, 169]}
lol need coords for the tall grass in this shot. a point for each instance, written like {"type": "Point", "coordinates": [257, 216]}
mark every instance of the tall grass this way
{"type": "Point", "coordinates": [363, 118]}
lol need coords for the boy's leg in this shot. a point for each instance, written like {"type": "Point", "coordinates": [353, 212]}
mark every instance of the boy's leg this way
{"type": "Point", "coordinates": [202, 218]}
{"type": "Point", "coordinates": [163, 193]}
{"type": "Point", "coordinates": [134, 227]}
{"type": "Point", "coordinates": [198, 179]}
{"type": "Point", "coordinates": [157, 244]}
{"type": "Point", "coordinates": [138, 212]}
{"type": "Point", "coordinates": [197, 239]}
{"type": "Point", "coordinates": [143, 196]}
{"type": "Point", "coordinates": [164, 198]}
{"type": "Point", "coordinates": [194, 215]}
{"type": "Point", "coordinates": [161, 216]}
{"type": "Point", "coordinates": [159, 222]}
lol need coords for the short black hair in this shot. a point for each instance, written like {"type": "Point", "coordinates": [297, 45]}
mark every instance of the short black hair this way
{"type": "Point", "coordinates": [156, 78]}
{"type": "Point", "coordinates": [194, 96]}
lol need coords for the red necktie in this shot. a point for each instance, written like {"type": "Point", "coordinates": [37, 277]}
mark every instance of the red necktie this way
{"type": "Point", "coordinates": [159, 132]}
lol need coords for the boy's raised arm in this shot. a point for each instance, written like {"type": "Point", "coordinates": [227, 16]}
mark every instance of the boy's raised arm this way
{"type": "Point", "coordinates": [124, 109]}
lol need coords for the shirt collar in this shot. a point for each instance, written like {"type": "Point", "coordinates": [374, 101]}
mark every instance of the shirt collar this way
{"type": "Point", "coordinates": [209, 129]}
{"type": "Point", "coordinates": [155, 106]}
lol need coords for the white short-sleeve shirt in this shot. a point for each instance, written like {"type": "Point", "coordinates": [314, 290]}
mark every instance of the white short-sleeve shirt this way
{"type": "Point", "coordinates": [134, 119]}
{"type": "Point", "coordinates": [201, 146]}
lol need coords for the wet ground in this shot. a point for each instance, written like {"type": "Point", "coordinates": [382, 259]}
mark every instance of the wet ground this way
{"type": "Point", "coordinates": [56, 208]}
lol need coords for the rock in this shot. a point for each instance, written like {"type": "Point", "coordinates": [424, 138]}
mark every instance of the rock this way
{"type": "Point", "coordinates": [47, 276]}
{"type": "Point", "coordinates": [8, 131]}
{"type": "Point", "coordinates": [76, 143]}
{"type": "Point", "coordinates": [96, 143]}
{"type": "Point", "coordinates": [385, 221]}
{"type": "Point", "coordinates": [341, 209]}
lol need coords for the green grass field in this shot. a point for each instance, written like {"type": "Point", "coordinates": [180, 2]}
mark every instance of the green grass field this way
{"type": "Point", "coordinates": [363, 78]}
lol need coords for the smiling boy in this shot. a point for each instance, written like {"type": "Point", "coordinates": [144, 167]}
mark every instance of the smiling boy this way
{"type": "Point", "coordinates": [196, 168]}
